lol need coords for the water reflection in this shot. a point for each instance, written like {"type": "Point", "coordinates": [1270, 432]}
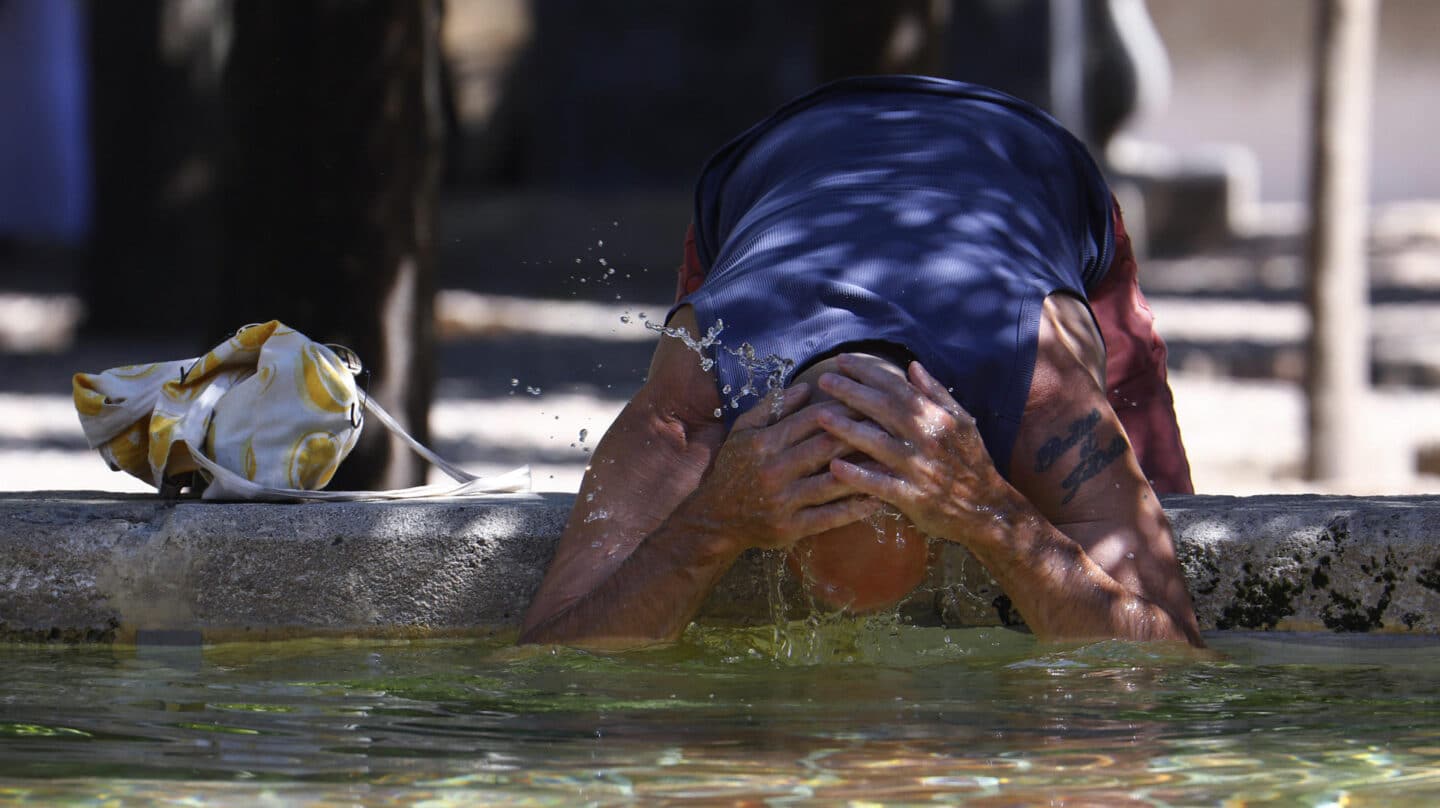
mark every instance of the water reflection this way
{"type": "Point", "coordinates": [985, 716]}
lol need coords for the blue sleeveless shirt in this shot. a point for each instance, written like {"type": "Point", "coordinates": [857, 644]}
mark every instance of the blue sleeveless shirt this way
{"type": "Point", "coordinates": [926, 214]}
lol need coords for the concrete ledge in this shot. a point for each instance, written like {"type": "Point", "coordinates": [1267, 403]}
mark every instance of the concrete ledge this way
{"type": "Point", "coordinates": [1312, 562]}
{"type": "Point", "coordinates": [85, 566]}
{"type": "Point", "coordinates": [92, 566]}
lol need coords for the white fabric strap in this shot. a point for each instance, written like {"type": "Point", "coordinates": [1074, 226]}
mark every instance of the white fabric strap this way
{"type": "Point", "coordinates": [227, 485]}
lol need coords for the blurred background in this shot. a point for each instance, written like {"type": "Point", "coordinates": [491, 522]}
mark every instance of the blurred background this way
{"type": "Point", "coordinates": [486, 199]}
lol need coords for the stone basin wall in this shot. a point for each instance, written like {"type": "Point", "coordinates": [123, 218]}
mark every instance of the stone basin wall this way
{"type": "Point", "coordinates": [87, 566]}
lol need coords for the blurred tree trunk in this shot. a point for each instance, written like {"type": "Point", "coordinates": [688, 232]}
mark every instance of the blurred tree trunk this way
{"type": "Point", "coordinates": [863, 37]}
{"type": "Point", "coordinates": [331, 162]}
{"type": "Point", "coordinates": [154, 70]}
{"type": "Point", "coordinates": [1339, 362]}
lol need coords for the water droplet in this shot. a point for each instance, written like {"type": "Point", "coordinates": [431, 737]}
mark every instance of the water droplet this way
{"type": "Point", "coordinates": [514, 382]}
{"type": "Point", "coordinates": [534, 391]}
{"type": "Point", "coordinates": [719, 413]}
{"type": "Point", "coordinates": [625, 318]}
{"type": "Point", "coordinates": [584, 433]}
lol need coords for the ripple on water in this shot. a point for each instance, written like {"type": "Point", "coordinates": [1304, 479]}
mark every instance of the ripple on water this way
{"type": "Point", "coordinates": [729, 714]}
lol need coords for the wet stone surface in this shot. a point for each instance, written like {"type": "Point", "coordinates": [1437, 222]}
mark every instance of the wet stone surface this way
{"type": "Point", "coordinates": [91, 567]}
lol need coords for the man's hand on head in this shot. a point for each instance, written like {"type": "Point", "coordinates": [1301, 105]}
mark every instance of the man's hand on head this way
{"type": "Point", "coordinates": [771, 482]}
{"type": "Point", "coordinates": [933, 464]}
{"type": "Point", "coordinates": [934, 468]}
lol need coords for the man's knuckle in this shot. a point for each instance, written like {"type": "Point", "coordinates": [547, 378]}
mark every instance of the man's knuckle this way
{"type": "Point", "coordinates": [767, 477]}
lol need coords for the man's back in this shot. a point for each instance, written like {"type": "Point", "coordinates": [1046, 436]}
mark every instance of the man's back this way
{"type": "Point", "coordinates": [930, 215]}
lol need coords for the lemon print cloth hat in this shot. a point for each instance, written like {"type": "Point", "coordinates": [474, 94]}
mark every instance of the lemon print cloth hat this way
{"type": "Point", "coordinates": [267, 414]}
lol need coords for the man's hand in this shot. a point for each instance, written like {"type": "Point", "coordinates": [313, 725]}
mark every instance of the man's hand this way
{"type": "Point", "coordinates": [935, 467]}
{"type": "Point", "coordinates": [771, 482]}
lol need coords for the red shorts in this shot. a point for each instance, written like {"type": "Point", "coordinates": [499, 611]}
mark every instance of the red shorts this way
{"type": "Point", "coordinates": [1134, 362]}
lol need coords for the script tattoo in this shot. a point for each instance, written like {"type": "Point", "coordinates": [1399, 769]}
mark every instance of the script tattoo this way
{"type": "Point", "coordinates": [1054, 448]}
{"type": "Point", "coordinates": [1093, 457]}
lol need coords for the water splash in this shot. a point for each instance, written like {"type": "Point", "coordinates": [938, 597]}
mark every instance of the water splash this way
{"type": "Point", "coordinates": [889, 526]}
{"type": "Point", "coordinates": [762, 374]}
{"type": "Point", "coordinates": [700, 346]}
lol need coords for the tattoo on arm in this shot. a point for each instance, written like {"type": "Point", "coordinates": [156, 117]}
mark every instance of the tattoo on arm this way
{"type": "Point", "coordinates": [1057, 446]}
{"type": "Point", "coordinates": [1093, 457]}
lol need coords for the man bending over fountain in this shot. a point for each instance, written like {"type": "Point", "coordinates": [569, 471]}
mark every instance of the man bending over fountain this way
{"type": "Point", "coordinates": [895, 339]}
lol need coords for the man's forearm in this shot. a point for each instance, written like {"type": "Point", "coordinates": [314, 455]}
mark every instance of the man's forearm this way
{"type": "Point", "coordinates": [1062, 592]}
{"type": "Point", "coordinates": [652, 596]}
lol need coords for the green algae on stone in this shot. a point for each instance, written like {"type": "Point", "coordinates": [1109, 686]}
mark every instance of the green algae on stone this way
{"type": "Point", "coordinates": [1259, 602]}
